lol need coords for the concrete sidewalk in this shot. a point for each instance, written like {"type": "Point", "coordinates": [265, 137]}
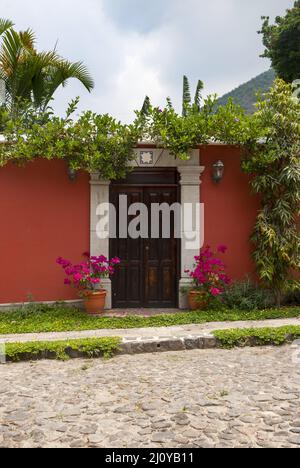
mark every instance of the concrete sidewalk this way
{"type": "Point", "coordinates": [150, 334]}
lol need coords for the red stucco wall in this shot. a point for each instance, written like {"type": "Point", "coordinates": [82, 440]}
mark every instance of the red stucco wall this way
{"type": "Point", "coordinates": [43, 215]}
{"type": "Point", "coordinates": [230, 208]}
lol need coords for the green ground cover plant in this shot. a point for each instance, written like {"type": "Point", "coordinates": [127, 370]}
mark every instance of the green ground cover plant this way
{"type": "Point", "coordinates": [60, 318]}
{"type": "Point", "coordinates": [257, 337]}
{"type": "Point", "coordinates": [63, 350]}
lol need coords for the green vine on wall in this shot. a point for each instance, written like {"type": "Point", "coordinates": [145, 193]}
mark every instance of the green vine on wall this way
{"type": "Point", "coordinates": [275, 165]}
{"type": "Point", "coordinates": [99, 143]}
{"type": "Point", "coordinates": [95, 143]}
{"type": "Point", "coordinates": [179, 134]}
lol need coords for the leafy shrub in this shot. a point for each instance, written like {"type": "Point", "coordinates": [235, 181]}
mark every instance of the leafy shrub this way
{"type": "Point", "coordinates": [257, 337]}
{"type": "Point", "coordinates": [292, 299]}
{"type": "Point", "coordinates": [246, 295]}
{"type": "Point", "coordinates": [87, 347]}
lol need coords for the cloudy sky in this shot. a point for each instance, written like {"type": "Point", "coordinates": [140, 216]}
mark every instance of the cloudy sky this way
{"type": "Point", "coordinates": [138, 47]}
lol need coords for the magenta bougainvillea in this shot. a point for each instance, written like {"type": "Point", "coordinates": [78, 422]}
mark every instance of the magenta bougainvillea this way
{"type": "Point", "coordinates": [88, 274]}
{"type": "Point", "coordinates": [209, 275]}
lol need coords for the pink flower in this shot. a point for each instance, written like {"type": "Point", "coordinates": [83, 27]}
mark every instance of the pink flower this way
{"type": "Point", "coordinates": [222, 249]}
{"type": "Point", "coordinates": [77, 277]}
{"type": "Point", "coordinates": [88, 274]}
{"type": "Point", "coordinates": [69, 271]}
{"type": "Point", "coordinates": [215, 292]}
{"type": "Point", "coordinates": [64, 263]}
{"type": "Point", "coordinates": [95, 280]}
{"type": "Point", "coordinates": [100, 259]}
{"type": "Point", "coordinates": [115, 261]}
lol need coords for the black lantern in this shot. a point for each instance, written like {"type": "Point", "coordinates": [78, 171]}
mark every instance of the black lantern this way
{"type": "Point", "coordinates": [218, 171]}
{"type": "Point", "coordinates": [72, 173]}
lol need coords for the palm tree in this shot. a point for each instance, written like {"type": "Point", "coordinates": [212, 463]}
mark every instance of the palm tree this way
{"type": "Point", "coordinates": [186, 97]}
{"type": "Point", "coordinates": [146, 106]}
{"type": "Point", "coordinates": [31, 76]}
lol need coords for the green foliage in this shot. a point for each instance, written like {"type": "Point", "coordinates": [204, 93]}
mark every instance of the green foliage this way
{"type": "Point", "coordinates": [180, 134]}
{"type": "Point", "coordinates": [175, 133]}
{"type": "Point", "coordinates": [231, 125]}
{"type": "Point", "coordinates": [246, 94]}
{"type": "Point", "coordinates": [186, 96]}
{"type": "Point", "coordinates": [282, 41]}
{"type": "Point", "coordinates": [59, 318]}
{"type": "Point", "coordinates": [198, 97]}
{"type": "Point", "coordinates": [246, 295]}
{"type": "Point", "coordinates": [31, 76]}
{"type": "Point", "coordinates": [95, 143]}
{"type": "Point", "coordinates": [5, 25]}
{"type": "Point", "coordinates": [292, 298]}
{"type": "Point", "coordinates": [63, 350]}
{"type": "Point", "coordinates": [257, 337]}
{"type": "Point", "coordinates": [4, 118]}
{"type": "Point", "coordinates": [99, 143]}
{"type": "Point", "coordinates": [275, 166]}
{"type": "Point", "coordinates": [146, 106]}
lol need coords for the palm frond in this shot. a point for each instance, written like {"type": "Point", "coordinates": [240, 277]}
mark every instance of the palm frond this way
{"type": "Point", "coordinates": [146, 106]}
{"type": "Point", "coordinates": [76, 70]}
{"type": "Point", "coordinates": [31, 76]}
{"type": "Point", "coordinates": [28, 39]}
{"type": "Point", "coordinates": [186, 98]}
{"type": "Point", "coordinates": [10, 51]}
{"type": "Point", "coordinates": [169, 103]}
{"type": "Point", "coordinates": [5, 25]}
{"type": "Point", "coordinates": [44, 66]}
{"type": "Point", "coordinates": [198, 95]}
{"type": "Point", "coordinates": [60, 72]}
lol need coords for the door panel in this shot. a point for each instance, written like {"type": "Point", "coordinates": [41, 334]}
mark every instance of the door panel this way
{"type": "Point", "coordinates": [127, 281]}
{"type": "Point", "coordinates": [148, 274]}
{"type": "Point", "coordinates": [161, 254]}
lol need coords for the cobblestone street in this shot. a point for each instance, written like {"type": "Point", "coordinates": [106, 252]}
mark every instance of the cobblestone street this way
{"type": "Point", "coordinates": [239, 398]}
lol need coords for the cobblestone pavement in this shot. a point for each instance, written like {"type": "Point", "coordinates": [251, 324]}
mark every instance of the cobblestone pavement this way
{"type": "Point", "coordinates": [243, 398]}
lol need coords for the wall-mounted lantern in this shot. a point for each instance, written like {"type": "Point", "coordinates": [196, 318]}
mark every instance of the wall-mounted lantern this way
{"type": "Point", "coordinates": [218, 171]}
{"type": "Point", "coordinates": [72, 174]}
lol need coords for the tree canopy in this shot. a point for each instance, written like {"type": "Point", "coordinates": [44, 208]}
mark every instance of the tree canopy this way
{"type": "Point", "coordinates": [282, 43]}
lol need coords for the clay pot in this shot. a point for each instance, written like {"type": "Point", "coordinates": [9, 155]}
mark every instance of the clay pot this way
{"type": "Point", "coordinates": [94, 302]}
{"type": "Point", "coordinates": [197, 300]}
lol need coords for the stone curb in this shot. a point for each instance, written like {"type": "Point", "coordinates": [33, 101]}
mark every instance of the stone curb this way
{"type": "Point", "coordinates": [165, 344]}
{"type": "Point", "coordinates": [133, 346]}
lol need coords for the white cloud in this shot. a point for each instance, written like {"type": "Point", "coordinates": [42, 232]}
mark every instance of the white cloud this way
{"type": "Point", "coordinates": [138, 47]}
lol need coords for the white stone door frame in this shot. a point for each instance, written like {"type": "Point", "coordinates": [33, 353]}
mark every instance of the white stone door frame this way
{"type": "Point", "coordinates": [190, 181]}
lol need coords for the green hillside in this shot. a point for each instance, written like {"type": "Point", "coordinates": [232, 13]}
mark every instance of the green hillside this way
{"type": "Point", "coordinates": [245, 95]}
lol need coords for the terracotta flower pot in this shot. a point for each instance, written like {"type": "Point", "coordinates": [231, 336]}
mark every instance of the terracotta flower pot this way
{"type": "Point", "coordinates": [197, 300]}
{"type": "Point", "coordinates": [94, 302]}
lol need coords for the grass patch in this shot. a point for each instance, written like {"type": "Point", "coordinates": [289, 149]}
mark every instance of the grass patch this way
{"type": "Point", "coordinates": [63, 350]}
{"type": "Point", "coordinates": [59, 318]}
{"type": "Point", "coordinates": [257, 337]}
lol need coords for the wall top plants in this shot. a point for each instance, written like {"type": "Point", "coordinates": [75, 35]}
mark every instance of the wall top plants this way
{"type": "Point", "coordinates": [100, 143]}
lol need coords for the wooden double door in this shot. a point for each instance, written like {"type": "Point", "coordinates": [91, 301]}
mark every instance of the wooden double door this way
{"type": "Point", "coordinates": [148, 274]}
